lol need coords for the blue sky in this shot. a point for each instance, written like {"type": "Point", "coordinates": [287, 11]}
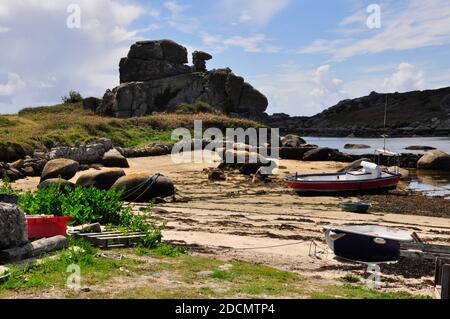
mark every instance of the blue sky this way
{"type": "Point", "coordinates": [305, 55]}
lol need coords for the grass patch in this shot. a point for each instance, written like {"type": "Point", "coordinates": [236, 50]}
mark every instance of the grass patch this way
{"type": "Point", "coordinates": [349, 291]}
{"type": "Point", "coordinates": [161, 250]}
{"type": "Point", "coordinates": [51, 271]}
{"type": "Point", "coordinates": [351, 278]}
{"type": "Point", "coordinates": [42, 127]}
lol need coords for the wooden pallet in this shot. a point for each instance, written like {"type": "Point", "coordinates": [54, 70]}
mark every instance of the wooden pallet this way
{"type": "Point", "coordinates": [112, 239]}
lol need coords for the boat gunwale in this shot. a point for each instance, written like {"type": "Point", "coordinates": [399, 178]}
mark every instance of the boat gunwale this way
{"type": "Point", "coordinates": [294, 179]}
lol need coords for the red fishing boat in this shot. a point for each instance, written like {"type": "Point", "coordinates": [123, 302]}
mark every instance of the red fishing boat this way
{"type": "Point", "coordinates": [369, 178]}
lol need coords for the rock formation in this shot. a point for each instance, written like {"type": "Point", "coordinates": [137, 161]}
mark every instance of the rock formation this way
{"type": "Point", "coordinates": [13, 227]}
{"type": "Point", "coordinates": [154, 77]}
{"type": "Point", "coordinates": [424, 113]}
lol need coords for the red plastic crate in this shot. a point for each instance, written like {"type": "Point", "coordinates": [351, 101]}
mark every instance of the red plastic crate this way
{"type": "Point", "coordinates": [49, 226]}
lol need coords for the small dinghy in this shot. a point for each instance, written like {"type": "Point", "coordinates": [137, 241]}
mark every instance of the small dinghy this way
{"type": "Point", "coordinates": [356, 207]}
{"type": "Point", "coordinates": [368, 244]}
{"type": "Point", "coordinates": [368, 179]}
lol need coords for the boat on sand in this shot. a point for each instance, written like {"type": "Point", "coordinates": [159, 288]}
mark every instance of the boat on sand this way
{"type": "Point", "coordinates": [369, 178]}
{"type": "Point", "coordinates": [369, 244]}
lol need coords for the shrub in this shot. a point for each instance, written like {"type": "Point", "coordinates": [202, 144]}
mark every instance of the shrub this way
{"type": "Point", "coordinates": [72, 97]}
{"type": "Point", "coordinates": [92, 205]}
{"type": "Point", "coordinates": [196, 107]}
{"type": "Point", "coordinates": [6, 188]}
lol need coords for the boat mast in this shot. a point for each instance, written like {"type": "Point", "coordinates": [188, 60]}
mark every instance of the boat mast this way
{"type": "Point", "coordinates": [385, 122]}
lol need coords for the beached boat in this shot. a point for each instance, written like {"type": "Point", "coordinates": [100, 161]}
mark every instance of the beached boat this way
{"type": "Point", "coordinates": [356, 207]}
{"type": "Point", "coordinates": [370, 178]}
{"type": "Point", "coordinates": [366, 243]}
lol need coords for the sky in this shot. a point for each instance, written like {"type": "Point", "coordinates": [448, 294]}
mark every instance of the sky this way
{"type": "Point", "coordinates": [304, 55]}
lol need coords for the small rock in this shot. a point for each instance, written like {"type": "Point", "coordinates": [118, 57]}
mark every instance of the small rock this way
{"type": "Point", "coordinates": [419, 148]}
{"type": "Point", "coordinates": [226, 267]}
{"type": "Point", "coordinates": [217, 175]}
{"type": "Point", "coordinates": [356, 146]}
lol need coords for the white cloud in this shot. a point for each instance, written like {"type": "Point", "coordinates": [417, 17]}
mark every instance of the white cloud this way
{"type": "Point", "coordinates": [178, 19]}
{"type": "Point", "coordinates": [52, 59]}
{"type": "Point", "coordinates": [298, 90]}
{"type": "Point", "coordinates": [407, 78]}
{"type": "Point", "coordinates": [13, 85]}
{"type": "Point", "coordinates": [421, 23]}
{"type": "Point", "coordinates": [259, 12]}
{"type": "Point", "coordinates": [327, 84]}
{"type": "Point", "coordinates": [252, 44]}
{"type": "Point", "coordinates": [245, 17]}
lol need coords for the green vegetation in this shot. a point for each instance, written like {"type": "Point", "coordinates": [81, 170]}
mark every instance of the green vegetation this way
{"type": "Point", "coordinates": [91, 205]}
{"type": "Point", "coordinates": [5, 121]}
{"type": "Point", "coordinates": [351, 278]}
{"type": "Point", "coordinates": [6, 188]}
{"type": "Point", "coordinates": [168, 272]}
{"type": "Point", "coordinates": [195, 108]}
{"type": "Point", "coordinates": [51, 271]}
{"type": "Point", "coordinates": [161, 250]}
{"type": "Point", "coordinates": [42, 127]}
{"type": "Point", "coordinates": [72, 97]}
{"type": "Point", "coordinates": [348, 291]}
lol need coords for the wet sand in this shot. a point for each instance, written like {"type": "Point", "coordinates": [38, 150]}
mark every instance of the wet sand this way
{"type": "Point", "coordinates": [269, 224]}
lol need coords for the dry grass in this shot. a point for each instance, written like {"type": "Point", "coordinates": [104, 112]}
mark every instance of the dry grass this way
{"type": "Point", "coordinates": [40, 128]}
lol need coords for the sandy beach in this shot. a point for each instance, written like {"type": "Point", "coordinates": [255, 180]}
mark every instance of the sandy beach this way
{"type": "Point", "coordinates": [269, 224]}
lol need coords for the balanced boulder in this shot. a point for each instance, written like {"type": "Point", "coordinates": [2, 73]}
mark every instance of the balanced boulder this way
{"type": "Point", "coordinates": [435, 160]}
{"type": "Point", "coordinates": [142, 187]}
{"type": "Point", "coordinates": [103, 179]}
{"type": "Point", "coordinates": [113, 158]}
{"type": "Point", "coordinates": [60, 168]}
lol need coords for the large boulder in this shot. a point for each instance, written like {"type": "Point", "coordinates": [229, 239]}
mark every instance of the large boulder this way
{"type": "Point", "coordinates": [56, 181]}
{"type": "Point", "coordinates": [159, 50]}
{"type": "Point", "coordinates": [142, 187]}
{"type": "Point", "coordinates": [435, 160]}
{"type": "Point", "coordinates": [60, 168]}
{"type": "Point", "coordinates": [13, 227]}
{"type": "Point", "coordinates": [152, 60]}
{"type": "Point", "coordinates": [10, 152]}
{"type": "Point", "coordinates": [103, 179]}
{"type": "Point", "coordinates": [113, 158]}
{"type": "Point", "coordinates": [292, 141]}
{"type": "Point", "coordinates": [325, 154]}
